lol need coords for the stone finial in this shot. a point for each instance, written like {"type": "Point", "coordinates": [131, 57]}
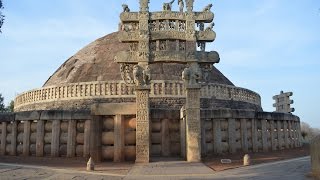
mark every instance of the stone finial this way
{"type": "Point", "coordinates": [144, 5]}
{"type": "Point", "coordinates": [283, 102]}
{"type": "Point", "coordinates": [90, 165]}
{"type": "Point", "coordinates": [181, 5]}
{"type": "Point", "coordinates": [246, 160]}
{"type": "Point", "coordinates": [125, 8]}
{"type": "Point", "coordinates": [167, 6]}
{"type": "Point", "coordinates": [189, 5]}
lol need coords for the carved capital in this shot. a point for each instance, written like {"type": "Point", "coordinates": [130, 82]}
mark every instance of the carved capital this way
{"type": "Point", "coordinates": [141, 76]}
{"type": "Point", "coordinates": [191, 75]}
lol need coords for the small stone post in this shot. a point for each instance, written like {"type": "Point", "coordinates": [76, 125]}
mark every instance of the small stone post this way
{"type": "Point", "coordinates": [119, 139]}
{"type": "Point", "coordinates": [315, 156]}
{"type": "Point", "coordinates": [86, 144]}
{"type": "Point", "coordinates": [217, 136]}
{"type": "Point", "coordinates": [40, 138]}
{"type": "Point", "coordinates": [14, 138]}
{"type": "Point", "coordinates": [55, 141]}
{"type": "Point", "coordinates": [26, 138]}
{"type": "Point", "coordinates": [3, 138]}
{"type": "Point", "coordinates": [247, 160]}
{"type": "Point", "coordinates": [90, 165]}
{"type": "Point", "coordinates": [71, 143]}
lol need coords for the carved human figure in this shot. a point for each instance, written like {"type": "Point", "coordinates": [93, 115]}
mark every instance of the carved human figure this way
{"type": "Point", "coordinates": [153, 26]}
{"type": "Point", "coordinates": [146, 75]}
{"type": "Point", "coordinates": [163, 46]}
{"type": "Point", "coordinates": [137, 75]}
{"type": "Point", "coordinates": [125, 8]}
{"type": "Point", "coordinates": [126, 71]}
{"type": "Point", "coordinates": [181, 5]}
{"type": "Point", "coordinates": [162, 25]}
{"type": "Point", "coordinates": [182, 26]}
{"type": "Point", "coordinates": [201, 26]}
{"type": "Point", "coordinates": [172, 25]}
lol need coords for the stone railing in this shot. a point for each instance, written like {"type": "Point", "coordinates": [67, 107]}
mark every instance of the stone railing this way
{"type": "Point", "coordinates": [118, 89]}
{"type": "Point", "coordinates": [230, 131]}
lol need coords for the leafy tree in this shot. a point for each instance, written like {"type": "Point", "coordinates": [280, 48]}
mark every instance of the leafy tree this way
{"type": "Point", "coordinates": [1, 16]}
{"type": "Point", "coordinates": [10, 108]}
{"type": "Point", "coordinates": [2, 107]}
{"type": "Point", "coordinates": [307, 132]}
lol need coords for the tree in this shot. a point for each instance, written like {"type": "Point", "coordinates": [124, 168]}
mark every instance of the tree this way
{"type": "Point", "coordinates": [307, 132]}
{"type": "Point", "coordinates": [2, 107]}
{"type": "Point", "coordinates": [1, 16]}
{"type": "Point", "coordinates": [10, 108]}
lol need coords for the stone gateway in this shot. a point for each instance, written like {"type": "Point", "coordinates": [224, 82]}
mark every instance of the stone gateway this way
{"type": "Point", "coordinates": [119, 98]}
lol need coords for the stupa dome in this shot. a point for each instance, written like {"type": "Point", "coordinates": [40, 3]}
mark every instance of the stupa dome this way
{"type": "Point", "coordinates": [95, 62]}
{"type": "Point", "coordinates": [92, 76]}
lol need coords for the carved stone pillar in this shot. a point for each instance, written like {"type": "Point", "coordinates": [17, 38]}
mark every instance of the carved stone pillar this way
{"type": "Point", "coordinates": [193, 130]}
{"type": "Point", "coordinates": [143, 125]}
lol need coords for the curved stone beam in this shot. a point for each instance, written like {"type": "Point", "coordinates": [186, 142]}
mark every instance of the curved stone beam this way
{"type": "Point", "coordinates": [207, 57]}
{"type": "Point", "coordinates": [129, 17]}
{"type": "Point", "coordinates": [206, 17]}
{"type": "Point", "coordinates": [208, 36]}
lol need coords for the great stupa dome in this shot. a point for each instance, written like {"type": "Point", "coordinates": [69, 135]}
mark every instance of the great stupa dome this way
{"type": "Point", "coordinates": [92, 75]}
{"type": "Point", "coordinates": [95, 62]}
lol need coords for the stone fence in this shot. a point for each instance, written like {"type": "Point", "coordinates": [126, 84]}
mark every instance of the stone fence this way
{"type": "Point", "coordinates": [118, 89]}
{"type": "Point", "coordinates": [112, 137]}
{"type": "Point", "coordinates": [230, 131]}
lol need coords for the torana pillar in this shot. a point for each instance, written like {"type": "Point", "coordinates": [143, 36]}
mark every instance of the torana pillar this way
{"type": "Point", "coordinates": [193, 129]}
{"type": "Point", "coordinates": [143, 125]}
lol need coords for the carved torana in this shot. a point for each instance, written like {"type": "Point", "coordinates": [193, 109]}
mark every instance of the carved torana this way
{"type": "Point", "coordinates": [166, 37]}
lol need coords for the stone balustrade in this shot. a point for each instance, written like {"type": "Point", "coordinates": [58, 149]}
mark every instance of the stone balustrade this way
{"type": "Point", "coordinates": [118, 89]}
{"type": "Point", "coordinates": [230, 131]}
{"type": "Point", "coordinates": [112, 137]}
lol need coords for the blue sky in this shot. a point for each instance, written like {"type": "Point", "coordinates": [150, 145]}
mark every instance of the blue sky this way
{"type": "Point", "coordinates": [265, 45]}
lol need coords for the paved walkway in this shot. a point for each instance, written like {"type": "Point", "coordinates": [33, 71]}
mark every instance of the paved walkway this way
{"type": "Point", "coordinates": [294, 169]}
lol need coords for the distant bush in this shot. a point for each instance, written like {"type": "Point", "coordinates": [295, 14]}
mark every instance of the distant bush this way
{"type": "Point", "coordinates": [308, 133]}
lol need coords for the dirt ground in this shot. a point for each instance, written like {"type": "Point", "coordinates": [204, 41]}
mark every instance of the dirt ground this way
{"type": "Point", "coordinates": [256, 158]}
{"type": "Point", "coordinates": [70, 163]}
{"type": "Point", "coordinates": [123, 168]}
